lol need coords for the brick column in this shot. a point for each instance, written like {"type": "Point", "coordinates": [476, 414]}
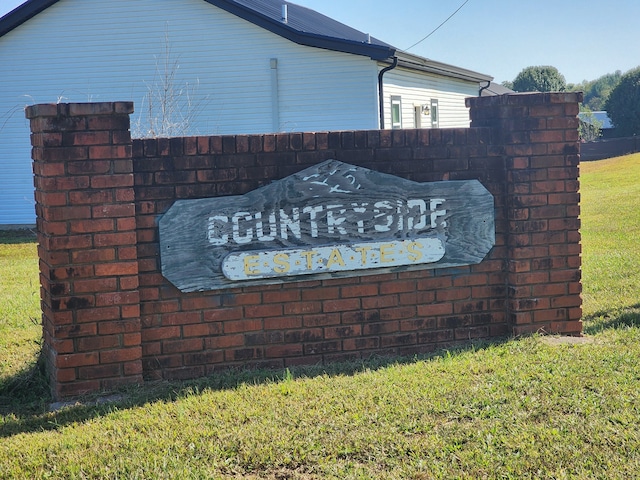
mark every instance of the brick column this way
{"type": "Point", "coordinates": [87, 245]}
{"type": "Point", "coordinates": [538, 134]}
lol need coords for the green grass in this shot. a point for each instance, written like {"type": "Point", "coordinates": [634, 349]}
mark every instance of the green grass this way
{"type": "Point", "coordinates": [524, 408]}
{"type": "Point", "coordinates": [20, 330]}
{"type": "Point", "coordinates": [610, 211]}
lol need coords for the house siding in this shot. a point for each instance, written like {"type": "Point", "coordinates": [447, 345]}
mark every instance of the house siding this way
{"type": "Point", "coordinates": [78, 51]}
{"type": "Point", "coordinates": [419, 89]}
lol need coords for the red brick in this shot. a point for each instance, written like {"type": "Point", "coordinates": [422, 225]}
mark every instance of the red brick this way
{"type": "Point", "coordinates": [109, 152]}
{"type": "Point", "coordinates": [98, 343]}
{"type": "Point", "coordinates": [117, 298]}
{"type": "Point", "coordinates": [397, 287]}
{"type": "Point", "coordinates": [321, 293]}
{"type": "Point", "coordinates": [98, 314]}
{"type": "Point", "coordinates": [550, 289]}
{"type": "Point", "coordinates": [114, 239]}
{"type": "Point", "coordinates": [242, 326]}
{"type": "Point", "coordinates": [281, 351]}
{"type": "Point", "coordinates": [381, 301]}
{"type": "Point", "coordinates": [63, 154]}
{"type": "Point", "coordinates": [182, 318]}
{"type": "Point", "coordinates": [76, 360]}
{"type": "Point", "coordinates": [87, 226]}
{"type": "Point", "coordinates": [397, 313]}
{"type": "Point", "coordinates": [71, 242]}
{"type": "Point", "coordinates": [75, 330]}
{"type": "Point", "coordinates": [321, 319]}
{"type": "Point", "coordinates": [297, 308]}
{"type": "Point", "coordinates": [566, 301]}
{"type": "Point", "coordinates": [200, 302]}
{"type": "Point", "coordinates": [63, 375]}
{"type": "Point", "coordinates": [202, 329]}
{"type": "Point", "coordinates": [76, 389]}
{"type": "Point", "coordinates": [436, 283]}
{"type": "Point", "coordinates": [72, 272]}
{"type": "Point", "coordinates": [116, 269]}
{"type": "Point", "coordinates": [262, 311]}
{"type": "Point", "coordinates": [435, 309]}
{"type": "Point", "coordinates": [100, 371]}
{"type": "Point", "coordinates": [113, 211]}
{"type": "Point", "coordinates": [93, 255]}
{"type": "Point", "coordinates": [282, 323]}
{"type": "Point", "coordinates": [184, 345]}
{"type": "Point", "coordinates": [453, 294]}
{"type": "Point", "coordinates": [121, 355]}
{"type": "Point", "coordinates": [342, 331]}
{"type": "Point", "coordinates": [359, 291]}
{"type": "Point", "coordinates": [344, 305]}
{"type": "Point", "coordinates": [131, 339]}
{"type": "Point", "coordinates": [224, 341]}
{"type": "Point", "coordinates": [368, 343]}
{"type": "Point", "coordinates": [222, 314]}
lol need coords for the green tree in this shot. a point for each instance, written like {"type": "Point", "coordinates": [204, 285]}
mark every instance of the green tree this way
{"type": "Point", "coordinates": [623, 105]}
{"type": "Point", "coordinates": [597, 91]}
{"type": "Point", "coordinates": [540, 79]}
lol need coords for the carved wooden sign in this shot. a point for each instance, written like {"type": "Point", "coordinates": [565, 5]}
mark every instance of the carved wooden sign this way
{"type": "Point", "coordinates": [330, 220]}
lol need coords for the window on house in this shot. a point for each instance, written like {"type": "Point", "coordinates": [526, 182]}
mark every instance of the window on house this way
{"type": "Point", "coordinates": [435, 113]}
{"type": "Point", "coordinates": [396, 112]}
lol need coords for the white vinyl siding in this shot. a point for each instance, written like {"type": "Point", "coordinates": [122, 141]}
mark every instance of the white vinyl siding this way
{"type": "Point", "coordinates": [417, 89]}
{"type": "Point", "coordinates": [81, 51]}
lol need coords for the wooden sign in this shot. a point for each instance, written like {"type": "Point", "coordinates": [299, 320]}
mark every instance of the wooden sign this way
{"type": "Point", "coordinates": [330, 220]}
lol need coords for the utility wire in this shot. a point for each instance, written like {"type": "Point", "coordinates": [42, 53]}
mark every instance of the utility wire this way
{"type": "Point", "coordinates": [438, 27]}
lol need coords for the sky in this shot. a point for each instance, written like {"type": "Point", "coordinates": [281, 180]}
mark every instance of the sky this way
{"type": "Point", "coordinates": [583, 39]}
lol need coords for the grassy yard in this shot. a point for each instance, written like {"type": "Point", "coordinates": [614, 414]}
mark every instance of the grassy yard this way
{"type": "Point", "coordinates": [524, 408]}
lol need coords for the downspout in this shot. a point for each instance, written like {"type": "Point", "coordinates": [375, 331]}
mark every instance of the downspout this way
{"type": "Point", "coordinates": [381, 90]}
{"type": "Point", "coordinates": [482, 89]}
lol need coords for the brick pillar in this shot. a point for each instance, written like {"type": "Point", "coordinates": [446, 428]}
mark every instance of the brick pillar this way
{"type": "Point", "coordinates": [538, 134]}
{"type": "Point", "coordinates": [87, 245]}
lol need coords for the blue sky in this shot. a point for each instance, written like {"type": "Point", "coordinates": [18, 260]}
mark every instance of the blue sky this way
{"type": "Point", "coordinates": [583, 39]}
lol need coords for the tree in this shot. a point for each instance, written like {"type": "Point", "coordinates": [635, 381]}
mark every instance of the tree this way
{"type": "Point", "coordinates": [170, 106]}
{"type": "Point", "coordinates": [540, 79]}
{"type": "Point", "coordinates": [597, 91]}
{"type": "Point", "coordinates": [623, 104]}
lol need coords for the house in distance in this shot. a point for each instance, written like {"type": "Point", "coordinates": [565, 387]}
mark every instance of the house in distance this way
{"type": "Point", "coordinates": [203, 67]}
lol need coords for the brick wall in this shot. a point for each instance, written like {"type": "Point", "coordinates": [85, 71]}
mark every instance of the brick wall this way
{"type": "Point", "coordinates": [110, 318]}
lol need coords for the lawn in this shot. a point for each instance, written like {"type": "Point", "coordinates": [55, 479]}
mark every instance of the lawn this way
{"type": "Point", "coordinates": [523, 408]}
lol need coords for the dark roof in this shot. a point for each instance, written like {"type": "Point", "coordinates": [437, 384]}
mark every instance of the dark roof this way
{"type": "Point", "coordinates": [303, 26]}
{"type": "Point", "coordinates": [495, 89]}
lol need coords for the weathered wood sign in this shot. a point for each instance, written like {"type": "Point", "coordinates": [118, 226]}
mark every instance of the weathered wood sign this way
{"type": "Point", "coordinates": [330, 220]}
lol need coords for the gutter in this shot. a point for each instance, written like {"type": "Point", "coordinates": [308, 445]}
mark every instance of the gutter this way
{"type": "Point", "coordinates": [381, 89]}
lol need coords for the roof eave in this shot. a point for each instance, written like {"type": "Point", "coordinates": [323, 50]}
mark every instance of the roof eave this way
{"type": "Point", "coordinates": [22, 13]}
{"type": "Point", "coordinates": [375, 52]}
{"type": "Point", "coordinates": [415, 62]}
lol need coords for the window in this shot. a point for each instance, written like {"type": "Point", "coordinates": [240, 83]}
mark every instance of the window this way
{"type": "Point", "coordinates": [435, 113]}
{"type": "Point", "coordinates": [396, 112]}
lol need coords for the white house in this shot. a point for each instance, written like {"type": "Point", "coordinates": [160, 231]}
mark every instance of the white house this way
{"type": "Point", "coordinates": [217, 66]}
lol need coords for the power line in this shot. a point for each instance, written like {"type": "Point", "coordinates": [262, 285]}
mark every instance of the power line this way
{"type": "Point", "coordinates": [438, 27]}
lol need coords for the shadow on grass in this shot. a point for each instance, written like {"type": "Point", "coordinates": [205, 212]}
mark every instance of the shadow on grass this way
{"type": "Point", "coordinates": [612, 319]}
{"type": "Point", "coordinates": [25, 398]}
{"type": "Point", "coordinates": [11, 237]}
